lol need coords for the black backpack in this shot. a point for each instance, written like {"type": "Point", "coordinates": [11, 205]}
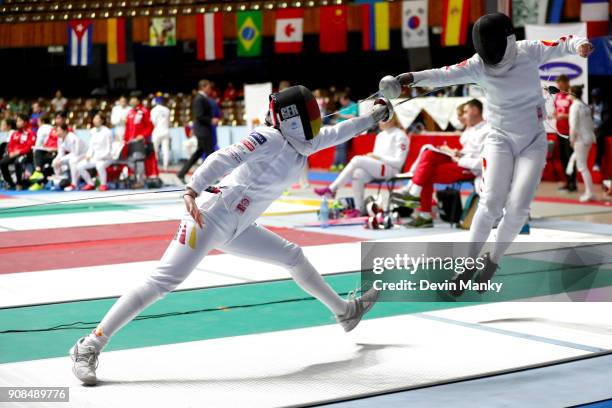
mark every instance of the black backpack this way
{"type": "Point", "coordinates": [449, 205]}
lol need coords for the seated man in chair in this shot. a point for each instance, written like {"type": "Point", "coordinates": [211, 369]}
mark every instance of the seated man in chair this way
{"type": "Point", "coordinates": [445, 165]}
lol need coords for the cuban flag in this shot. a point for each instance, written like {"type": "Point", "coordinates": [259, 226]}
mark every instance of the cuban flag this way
{"type": "Point", "coordinates": [79, 42]}
{"type": "Point", "coordinates": [414, 24]}
{"type": "Point", "coordinates": [596, 14]}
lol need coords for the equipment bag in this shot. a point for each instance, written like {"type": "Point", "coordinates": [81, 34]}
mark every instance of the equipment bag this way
{"type": "Point", "coordinates": [471, 204]}
{"type": "Point", "coordinates": [449, 205]}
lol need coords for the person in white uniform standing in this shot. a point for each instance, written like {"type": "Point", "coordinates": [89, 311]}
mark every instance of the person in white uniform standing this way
{"type": "Point", "coordinates": [160, 117]}
{"type": "Point", "coordinates": [98, 154]}
{"type": "Point", "coordinates": [119, 116]}
{"type": "Point", "coordinates": [387, 160]}
{"type": "Point", "coordinates": [581, 137]}
{"type": "Point", "coordinates": [515, 150]}
{"type": "Point", "coordinates": [252, 173]}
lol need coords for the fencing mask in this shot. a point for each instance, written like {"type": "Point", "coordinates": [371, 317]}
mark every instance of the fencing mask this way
{"type": "Point", "coordinates": [493, 37]}
{"type": "Point", "coordinates": [295, 112]}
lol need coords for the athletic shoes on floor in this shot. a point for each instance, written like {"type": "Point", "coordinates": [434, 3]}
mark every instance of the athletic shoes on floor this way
{"type": "Point", "coordinates": [88, 187]}
{"type": "Point", "coordinates": [35, 187]}
{"type": "Point", "coordinates": [71, 187]}
{"type": "Point", "coordinates": [358, 307]}
{"type": "Point", "coordinates": [85, 360]}
{"type": "Point", "coordinates": [103, 187]}
{"type": "Point", "coordinates": [585, 198]}
{"type": "Point", "coordinates": [420, 222]}
{"type": "Point", "coordinates": [36, 176]}
{"type": "Point", "coordinates": [405, 200]}
{"type": "Point", "coordinates": [487, 272]}
{"type": "Point", "coordinates": [324, 191]}
{"type": "Point", "coordinates": [352, 213]}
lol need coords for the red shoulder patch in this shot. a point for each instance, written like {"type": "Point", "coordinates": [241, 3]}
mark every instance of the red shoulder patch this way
{"type": "Point", "coordinates": [550, 43]}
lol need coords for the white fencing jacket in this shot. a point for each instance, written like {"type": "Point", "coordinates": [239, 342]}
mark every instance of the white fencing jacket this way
{"type": "Point", "coordinates": [391, 147]}
{"type": "Point", "coordinates": [100, 144]}
{"type": "Point", "coordinates": [256, 171]}
{"type": "Point", "coordinates": [472, 142]}
{"type": "Point", "coordinates": [160, 117]}
{"type": "Point", "coordinates": [581, 123]}
{"type": "Point", "coordinates": [514, 97]}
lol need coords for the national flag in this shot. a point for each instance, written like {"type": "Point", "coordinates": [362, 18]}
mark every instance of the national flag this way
{"type": "Point", "coordinates": [209, 30]}
{"type": "Point", "coordinates": [499, 6]}
{"type": "Point", "coordinates": [414, 24]}
{"type": "Point", "coordinates": [555, 12]}
{"type": "Point", "coordinates": [118, 40]}
{"type": "Point", "coordinates": [525, 12]}
{"type": "Point", "coordinates": [455, 24]}
{"type": "Point", "coordinates": [249, 33]}
{"type": "Point", "coordinates": [596, 13]}
{"type": "Point", "coordinates": [289, 36]}
{"type": "Point", "coordinates": [375, 24]}
{"type": "Point", "coordinates": [79, 42]}
{"type": "Point", "coordinates": [333, 27]}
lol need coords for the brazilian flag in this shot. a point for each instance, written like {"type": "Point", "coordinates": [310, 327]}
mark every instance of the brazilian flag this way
{"type": "Point", "coordinates": [249, 33]}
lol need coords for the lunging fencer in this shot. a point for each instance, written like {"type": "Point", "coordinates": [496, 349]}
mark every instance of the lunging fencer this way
{"type": "Point", "coordinates": [253, 173]}
{"type": "Point", "coordinates": [514, 154]}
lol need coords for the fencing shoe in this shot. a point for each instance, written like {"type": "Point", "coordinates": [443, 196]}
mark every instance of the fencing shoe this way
{"type": "Point", "coordinates": [85, 360]}
{"type": "Point", "coordinates": [487, 272]}
{"type": "Point", "coordinates": [358, 307]}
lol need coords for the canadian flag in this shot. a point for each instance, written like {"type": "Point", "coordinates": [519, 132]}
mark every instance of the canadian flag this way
{"type": "Point", "coordinates": [209, 36]}
{"type": "Point", "coordinates": [289, 30]}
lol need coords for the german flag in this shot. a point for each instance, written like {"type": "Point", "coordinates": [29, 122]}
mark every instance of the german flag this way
{"type": "Point", "coordinates": [455, 25]}
{"type": "Point", "coordinates": [118, 40]}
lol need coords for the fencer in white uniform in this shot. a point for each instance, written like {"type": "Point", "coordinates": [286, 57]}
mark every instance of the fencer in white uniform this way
{"type": "Point", "coordinates": [70, 151]}
{"type": "Point", "coordinates": [160, 117]}
{"type": "Point", "coordinates": [582, 137]}
{"type": "Point", "coordinates": [514, 154]}
{"type": "Point", "coordinates": [385, 161]}
{"type": "Point", "coordinates": [99, 155]}
{"type": "Point", "coordinates": [252, 173]}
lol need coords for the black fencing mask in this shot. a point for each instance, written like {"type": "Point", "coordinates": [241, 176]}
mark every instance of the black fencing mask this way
{"type": "Point", "coordinates": [490, 36]}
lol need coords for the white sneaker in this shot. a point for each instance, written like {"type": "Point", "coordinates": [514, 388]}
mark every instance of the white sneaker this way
{"type": "Point", "coordinates": [357, 309]}
{"type": "Point", "coordinates": [85, 360]}
{"type": "Point", "coordinates": [586, 198]}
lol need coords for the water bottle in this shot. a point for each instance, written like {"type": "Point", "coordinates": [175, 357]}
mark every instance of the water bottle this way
{"type": "Point", "coordinates": [324, 213]}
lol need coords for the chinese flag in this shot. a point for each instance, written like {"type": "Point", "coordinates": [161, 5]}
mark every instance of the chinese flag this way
{"type": "Point", "coordinates": [333, 28]}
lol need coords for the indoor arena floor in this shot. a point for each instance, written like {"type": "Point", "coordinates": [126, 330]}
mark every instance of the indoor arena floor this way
{"type": "Point", "coordinates": [240, 333]}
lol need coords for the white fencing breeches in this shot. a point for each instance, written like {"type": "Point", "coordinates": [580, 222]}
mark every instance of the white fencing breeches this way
{"type": "Point", "coordinates": [163, 141]}
{"type": "Point", "coordinates": [100, 166]}
{"type": "Point", "coordinates": [71, 160]}
{"type": "Point", "coordinates": [509, 183]}
{"type": "Point", "coordinates": [187, 249]}
{"type": "Point", "coordinates": [362, 169]}
{"type": "Point", "coordinates": [581, 150]}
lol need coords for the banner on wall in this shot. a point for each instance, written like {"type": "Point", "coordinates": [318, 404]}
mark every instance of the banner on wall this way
{"type": "Point", "coordinates": [256, 103]}
{"type": "Point", "coordinates": [162, 31]}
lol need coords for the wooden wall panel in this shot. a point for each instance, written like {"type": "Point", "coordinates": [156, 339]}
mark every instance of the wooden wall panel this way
{"type": "Point", "coordinates": [140, 29]}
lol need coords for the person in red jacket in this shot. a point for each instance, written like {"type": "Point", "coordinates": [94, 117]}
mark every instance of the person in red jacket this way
{"type": "Point", "coordinates": [138, 126]}
{"type": "Point", "coordinates": [20, 144]}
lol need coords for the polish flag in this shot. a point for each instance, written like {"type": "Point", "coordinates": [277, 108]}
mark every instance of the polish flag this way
{"type": "Point", "coordinates": [596, 14]}
{"type": "Point", "coordinates": [209, 36]}
{"type": "Point", "coordinates": [289, 30]}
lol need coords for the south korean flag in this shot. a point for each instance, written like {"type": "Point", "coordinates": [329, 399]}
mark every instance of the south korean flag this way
{"type": "Point", "coordinates": [414, 24]}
